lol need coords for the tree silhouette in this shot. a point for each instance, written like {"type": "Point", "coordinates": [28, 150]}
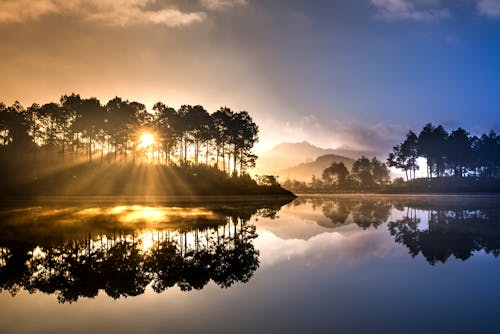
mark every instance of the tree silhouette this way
{"type": "Point", "coordinates": [335, 175]}
{"type": "Point", "coordinates": [456, 153]}
{"type": "Point", "coordinates": [43, 147]}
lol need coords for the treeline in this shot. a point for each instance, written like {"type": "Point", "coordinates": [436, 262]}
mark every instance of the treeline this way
{"type": "Point", "coordinates": [365, 175]}
{"type": "Point", "coordinates": [448, 154]}
{"type": "Point", "coordinates": [78, 128]}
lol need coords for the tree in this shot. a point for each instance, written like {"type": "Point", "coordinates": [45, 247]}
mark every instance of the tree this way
{"type": "Point", "coordinates": [89, 120]}
{"type": "Point", "coordinates": [488, 152]}
{"type": "Point", "coordinates": [380, 172]}
{"type": "Point", "coordinates": [362, 172]}
{"type": "Point", "coordinates": [404, 156]}
{"type": "Point", "coordinates": [335, 175]}
{"type": "Point", "coordinates": [369, 173]}
{"type": "Point", "coordinates": [167, 124]}
{"type": "Point", "coordinates": [222, 122]}
{"type": "Point", "coordinates": [459, 153]}
{"type": "Point", "coordinates": [245, 135]}
{"type": "Point", "coordinates": [425, 146]}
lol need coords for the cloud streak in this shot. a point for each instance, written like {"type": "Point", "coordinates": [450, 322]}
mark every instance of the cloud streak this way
{"type": "Point", "coordinates": [109, 12]}
{"type": "Point", "coordinates": [393, 10]}
{"type": "Point", "coordinates": [376, 138]}
{"type": "Point", "coordinates": [489, 8]}
{"type": "Point", "coordinates": [223, 4]}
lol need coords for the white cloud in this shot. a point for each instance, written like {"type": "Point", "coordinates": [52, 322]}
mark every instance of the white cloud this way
{"type": "Point", "coordinates": [407, 10]}
{"type": "Point", "coordinates": [376, 138]}
{"type": "Point", "coordinates": [110, 12]}
{"type": "Point", "coordinates": [222, 4]}
{"type": "Point", "coordinates": [489, 8]}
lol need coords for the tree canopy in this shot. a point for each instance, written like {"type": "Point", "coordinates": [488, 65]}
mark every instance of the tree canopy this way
{"type": "Point", "coordinates": [76, 128]}
{"type": "Point", "coordinates": [448, 154]}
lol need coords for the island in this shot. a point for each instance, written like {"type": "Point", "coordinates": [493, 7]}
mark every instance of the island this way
{"type": "Point", "coordinates": [78, 146]}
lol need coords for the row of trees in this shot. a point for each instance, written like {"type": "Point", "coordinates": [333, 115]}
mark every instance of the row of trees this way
{"type": "Point", "coordinates": [365, 174]}
{"type": "Point", "coordinates": [76, 128]}
{"type": "Point", "coordinates": [456, 153]}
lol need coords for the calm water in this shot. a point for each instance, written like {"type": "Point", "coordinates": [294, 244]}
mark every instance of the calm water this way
{"type": "Point", "coordinates": [346, 264]}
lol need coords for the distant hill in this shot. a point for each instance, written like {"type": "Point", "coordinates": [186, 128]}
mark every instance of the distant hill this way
{"type": "Point", "coordinates": [304, 171]}
{"type": "Point", "coordinates": [287, 155]}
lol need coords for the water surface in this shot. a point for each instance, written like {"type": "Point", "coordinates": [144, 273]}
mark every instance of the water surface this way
{"type": "Point", "coordinates": [347, 264]}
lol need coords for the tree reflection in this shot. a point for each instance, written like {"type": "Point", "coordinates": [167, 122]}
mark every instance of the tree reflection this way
{"type": "Point", "coordinates": [456, 226]}
{"type": "Point", "coordinates": [456, 232]}
{"type": "Point", "coordinates": [363, 212]}
{"type": "Point", "coordinates": [123, 261]}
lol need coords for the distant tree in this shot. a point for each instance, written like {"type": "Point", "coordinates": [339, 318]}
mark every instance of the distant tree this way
{"type": "Point", "coordinates": [404, 156]}
{"type": "Point", "coordinates": [432, 144]}
{"type": "Point", "coordinates": [197, 121]}
{"type": "Point", "coordinates": [425, 146]}
{"type": "Point", "coordinates": [440, 149]}
{"type": "Point", "coordinates": [459, 153]}
{"type": "Point", "coordinates": [167, 124]}
{"type": "Point", "coordinates": [268, 180]}
{"type": "Point", "coordinates": [335, 175]}
{"type": "Point", "coordinates": [48, 117]}
{"type": "Point", "coordinates": [380, 172]}
{"type": "Point", "coordinates": [362, 172]}
{"type": "Point", "coordinates": [245, 135]}
{"type": "Point", "coordinates": [15, 127]}
{"type": "Point", "coordinates": [315, 183]}
{"type": "Point", "coordinates": [222, 123]}
{"type": "Point", "coordinates": [488, 153]}
{"type": "Point", "coordinates": [369, 173]}
{"type": "Point", "coordinates": [89, 120]}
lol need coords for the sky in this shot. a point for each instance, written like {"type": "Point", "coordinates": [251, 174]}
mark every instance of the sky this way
{"type": "Point", "coordinates": [359, 73]}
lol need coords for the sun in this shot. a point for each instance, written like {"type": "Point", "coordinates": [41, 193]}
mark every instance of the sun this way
{"type": "Point", "coordinates": [146, 139]}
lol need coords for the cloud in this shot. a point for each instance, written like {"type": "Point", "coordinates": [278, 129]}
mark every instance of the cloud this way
{"type": "Point", "coordinates": [21, 10]}
{"type": "Point", "coordinates": [110, 12]}
{"type": "Point", "coordinates": [422, 10]}
{"type": "Point", "coordinates": [489, 8]}
{"type": "Point", "coordinates": [222, 4]}
{"type": "Point", "coordinates": [376, 138]}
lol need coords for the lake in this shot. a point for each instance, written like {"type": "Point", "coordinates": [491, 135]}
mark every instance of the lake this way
{"type": "Point", "coordinates": [339, 263]}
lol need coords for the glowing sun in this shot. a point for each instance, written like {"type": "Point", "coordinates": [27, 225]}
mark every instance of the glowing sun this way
{"type": "Point", "coordinates": [146, 139]}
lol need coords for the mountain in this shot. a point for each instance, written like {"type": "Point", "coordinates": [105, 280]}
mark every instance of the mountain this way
{"type": "Point", "coordinates": [304, 171]}
{"type": "Point", "coordinates": [286, 155]}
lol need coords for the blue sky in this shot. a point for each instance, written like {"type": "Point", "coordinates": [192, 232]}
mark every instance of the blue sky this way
{"type": "Point", "coordinates": [352, 72]}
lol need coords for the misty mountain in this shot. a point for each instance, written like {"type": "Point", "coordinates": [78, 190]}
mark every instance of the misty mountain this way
{"type": "Point", "coordinates": [285, 156]}
{"type": "Point", "coordinates": [304, 171]}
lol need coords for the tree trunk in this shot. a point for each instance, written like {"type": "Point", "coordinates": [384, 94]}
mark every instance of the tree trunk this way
{"type": "Point", "coordinates": [235, 158]}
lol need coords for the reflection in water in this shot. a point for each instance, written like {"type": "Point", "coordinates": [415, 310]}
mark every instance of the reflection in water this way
{"type": "Point", "coordinates": [75, 252]}
{"type": "Point", "coordinates": [455, 226]}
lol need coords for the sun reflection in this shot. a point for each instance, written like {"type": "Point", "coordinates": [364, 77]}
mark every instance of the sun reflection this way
{"type": "Point", "coordinates": [148, 214]}
{"type": "Point", "coordinates": [147, 241]}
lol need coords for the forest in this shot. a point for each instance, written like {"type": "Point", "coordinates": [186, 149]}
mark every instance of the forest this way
{"type": "Point", "coordinates": [120, 131]}
{"type": "Point", "coordinates": [455, 162]}
{"type": "Point", "coordinates": [365, 175]}
{"type": "Point", "coordinates": [448, 154]}
{"type": "Point", "coordinates": [76, 138]}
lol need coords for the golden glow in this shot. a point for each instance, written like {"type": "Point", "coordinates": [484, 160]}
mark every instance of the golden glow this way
{"type": "Point", "coordinates": [148, 214]}
{"type": "Point", "coordinates": [146, 139]}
